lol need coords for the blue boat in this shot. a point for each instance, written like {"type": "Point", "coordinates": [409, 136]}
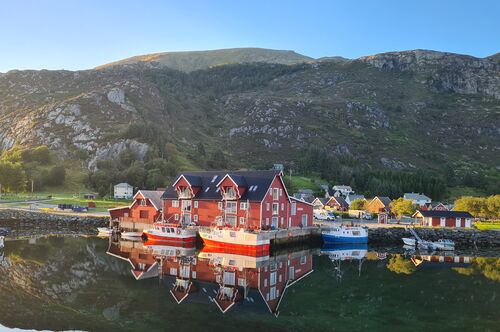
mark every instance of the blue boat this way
{"type": "Point", "coordinates": [345, 234]}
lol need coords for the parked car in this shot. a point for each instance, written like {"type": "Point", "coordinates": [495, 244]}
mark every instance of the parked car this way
{"type": "Point", "coordinates": [320, 215]}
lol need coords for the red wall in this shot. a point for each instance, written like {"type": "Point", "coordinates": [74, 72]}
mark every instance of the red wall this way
{"type": "Point", "coordinates": [449, 222]}
{"type": "Point", "coordinates": [135, 211]}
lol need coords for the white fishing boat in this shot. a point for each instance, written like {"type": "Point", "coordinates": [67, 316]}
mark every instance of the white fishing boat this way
{"type": "Point", "coordinates": [105, 230]}
{"type": "Point", "coordinates": [171, 233]}
{"type": "Point", "coordinates": [162, 249]}
{"type": "Point", "coordinates": [237, 240]}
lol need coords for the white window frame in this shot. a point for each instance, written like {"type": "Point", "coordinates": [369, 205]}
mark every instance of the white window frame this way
{"type": "Point", "coordinates": [195, 218]}
{"type": "Point", "coordinates": [195, 204]}
{"type": "Point", "coordinates": [268, 206]}
{"type": "Point", "coordinates": [294, 209]}
{"type": "Point", "coordinates": [243, 205]}
{"type": "Point", "coordinates": [276, 194]}
{"type": "Point", "coordinates": [176, 216]}
{"type": "Point", "coordinates": [220, 206]}
{"type": "Point", "coordinates": [175, 203]}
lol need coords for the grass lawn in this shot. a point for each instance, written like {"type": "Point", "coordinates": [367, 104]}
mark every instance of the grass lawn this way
{"type": "Point", "coordinates": [100, 203]}
{"type": "Point", "coordinates": [487, 225]}
{"type": "Point", "coordinates": [302, 182]}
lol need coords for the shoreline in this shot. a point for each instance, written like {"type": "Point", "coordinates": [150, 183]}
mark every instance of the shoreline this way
{"type": "Point", "coordinates": [25, 223]}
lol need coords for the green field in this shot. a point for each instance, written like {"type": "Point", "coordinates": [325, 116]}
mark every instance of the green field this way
{"type": "Point", "coordinates": [487, 225]}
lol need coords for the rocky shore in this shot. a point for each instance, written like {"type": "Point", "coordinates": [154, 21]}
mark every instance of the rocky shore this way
{"type": "Point", "coordinates": [27, 223]}
{"type": "Point", "coordinates": [463, 238]}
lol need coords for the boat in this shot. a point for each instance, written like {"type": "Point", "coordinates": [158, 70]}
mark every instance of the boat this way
{"type": "Point", "coordinates": [416, 241]}
{"type": "Point", "coordinates": [345, 234]}
{"type": "Point", "coordinates": [237, 240]}
{"type": "Point", "coordinates": [2, 244]}
{"type": "Point", "coordinates": [105, 230]}
{"type": "Point", "coordinates": [131, 234]}
{"type": "Point", "coordinates": [347, 251]}
{"type": "Point", "coordinates": [170, 232]}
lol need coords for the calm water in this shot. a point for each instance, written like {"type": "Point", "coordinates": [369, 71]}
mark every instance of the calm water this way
{"type": "Point", "coordinates": [76, 283]}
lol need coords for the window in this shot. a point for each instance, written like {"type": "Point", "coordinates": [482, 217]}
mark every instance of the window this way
{"type": "Point", "coordinates": [272, 278]}
{"type": "Point", "coordinates": [281, 192]}
{"type": "Point", "coordinates": [214, 178]}
{"type": "Point", "coordinates": [242, 220]}
{"type": "Point", "coordinates": [195, 218]}
{"type": "Point", "coordinates": [231, 220]}
{"type": "Point", "coordinates": [143, 202]}
{"type": "Point", "coordinates": [268, 206]}
{"type": "Point", "coordinates": [220, 205]}
{"type": "Point", "coordinates": [231, 207]}
{"type": "Point", "coordinates": [176, 217]}
{"type": "Point", "coordinates": [276, 208]}
{"type": "Point", "coordinates": [175, 204]}
{"type": "Point", "coordinates": [195, 204]}
{"type": "Point", "coordinates": [275, 222]}
{"type": "Point", "coordinates": [282, 206]}
{"type": "Point", "coordinates": [243, 205]}
{"type": "Point", "coordinates": [303, 260]}
{"type": "Point", "coordinates": [143, 214]}
{"type": "Point", "coordinates": [304, 220]}
{"type": "Point", "coordinates": [272, 293]}
{"type": "Point", "coordinates": [294, 208]}
{"type": "Point", "coordinates": [276, 192]}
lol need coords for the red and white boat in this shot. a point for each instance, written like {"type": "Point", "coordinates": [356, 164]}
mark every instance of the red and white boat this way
{"type": "Point", "coordinates": [236, 240]}
{"type": "Point", "coordinates": [170, 232]}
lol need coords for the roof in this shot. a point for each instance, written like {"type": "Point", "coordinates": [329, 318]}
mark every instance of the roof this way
{"type": "Point", "coordinates": [353, 197]}
{"type": "Point", "coordinates": [323, 200]}
{"type": "Point", "coordinates": [385, 200]}
{"type": "Point", "coordinates": [154, 196]}
{"type": "Point", "coordinates": [416, 197]}
{"type": "Point", "coordinates": [301, 200]}
{"type": "Point", "coordinates": [340, 200]}
{"type": "Point", "coordinates": [342, 187]}
{"type": "Point", "coordinates": [444, 214]}
{"type": "Point", "coordinates": [257, 183]}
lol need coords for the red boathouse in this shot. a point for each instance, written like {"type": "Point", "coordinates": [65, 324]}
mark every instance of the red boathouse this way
{"type": "Point", "coordinates": [433, 218]}
{"type": "Point", "coordinates": [239, 199]}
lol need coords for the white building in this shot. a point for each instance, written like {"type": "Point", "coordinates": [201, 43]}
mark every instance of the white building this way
{"type": "Point", "coordinates": [124, 191]}
{"type": "Point", "coordinates": [417, 199]}
{"type": "Point", "coordinates": [351, 197]}
{"type": "Point", "coordinates": [342, 190]}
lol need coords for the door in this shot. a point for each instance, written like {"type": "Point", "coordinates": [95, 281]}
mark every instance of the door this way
{"type": "Point", "coordinates": [275, 222]}
{"type": "Point", "coordinates": [467, 223]}
{"type": "Point", "coordinates": [442, 222]}
{"type": "Point", "coordinates": [458, 222]}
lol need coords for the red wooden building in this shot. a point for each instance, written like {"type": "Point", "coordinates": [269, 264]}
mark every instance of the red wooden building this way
{"type": "Point", "coordinates": [337, 203]}
{"type": "Point", "coordinates": [143, 263]}
{"type": "Point", "coordinates": [141, 214]}
{"type": "Point", "coordinates": [243, 199]}
{"type": "Point", "coordinates": [436, 218]}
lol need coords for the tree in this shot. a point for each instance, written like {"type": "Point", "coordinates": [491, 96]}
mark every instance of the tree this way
{"type": "Point", "coordinates": [474, 205]}
{"type": "Point", "coordinates": [493, 206]}
{"type": "Point", "coordinates": [401, 207]}
{"type": "Point", "coordinates": [201, 149]}
{"type": "Point", "coordinates": [56, 176]}
{"type": "Point", "coordinates": [12, 176]}
{"type": "Point", "coordinates": [357, 204]}
{"type": "Point", "coordinates": [400, 265]}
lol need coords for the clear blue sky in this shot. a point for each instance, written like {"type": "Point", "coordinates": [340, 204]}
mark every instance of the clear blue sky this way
{"type": "Point", "coordinates": [71, 34]}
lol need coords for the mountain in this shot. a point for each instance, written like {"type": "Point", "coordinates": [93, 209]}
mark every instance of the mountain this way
{"type": "Point", "coordinates": [402, 110]}
{"type": "Point", "coordinates": [196, 60]}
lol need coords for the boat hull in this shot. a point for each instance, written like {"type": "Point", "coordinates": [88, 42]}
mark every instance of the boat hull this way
{"type": "Point", "coordinates": [175, 239]}
{"type": "Point", "coordinates": [331, 238]}
{"type": "Point", "coordinates": [254, 244]}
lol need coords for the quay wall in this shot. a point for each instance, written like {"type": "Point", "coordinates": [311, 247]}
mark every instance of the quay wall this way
{"type": "Point", "coordinates": [25, 223]}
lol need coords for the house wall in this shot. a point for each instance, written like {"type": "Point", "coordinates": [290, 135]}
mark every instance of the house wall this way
{"type": "Point", "coordinates": [283, 206]}
{"type": "Point", "coordinates": [451, 222]}
{"type": "Point", "coordinates": [123, 192]}
{"type": "Point", "coordinates": [302, 209]}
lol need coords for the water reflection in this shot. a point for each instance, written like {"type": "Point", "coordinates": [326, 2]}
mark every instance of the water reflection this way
{"type": "Point", "coordinates": [216, 277]}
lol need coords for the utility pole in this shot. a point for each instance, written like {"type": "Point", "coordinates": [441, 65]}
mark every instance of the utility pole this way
{"type": "Point", "coordinates": [32, 186]}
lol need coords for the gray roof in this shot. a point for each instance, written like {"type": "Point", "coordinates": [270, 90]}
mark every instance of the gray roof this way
{"type": "Point", "coordinates": [257, 183]}
{"type": "Point", "coordinates": [154, 196]}
{"type": "Point", "coordinates": [416, 197]}
{"type": "Point", "coordinates": [353, 197]}
{"type": "Point", "coordinates": [123, 184]}
{"type": "Point", "coordinates": [341, 201]}
{"type": "Point", "coordinates": [450, 214]}
{"type": "Point", "coordinates": [385, 200]}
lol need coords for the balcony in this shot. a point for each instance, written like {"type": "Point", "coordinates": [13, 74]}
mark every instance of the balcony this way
{"type": "Point", "coordinates": [229, 196]}
{"type": "Point", "coordinates": [184, 195]}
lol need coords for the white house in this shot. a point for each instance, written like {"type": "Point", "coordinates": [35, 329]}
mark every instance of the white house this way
{"type": "Point", "coordinates": [417, 199]}
{"type": "Point", "coordinates": [342, 190]}
{"type": "Point", "coordinates": [124, 191]}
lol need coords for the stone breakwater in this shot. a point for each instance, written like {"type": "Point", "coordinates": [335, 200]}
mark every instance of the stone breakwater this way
{"type": "Point", "coordinates": [463, 238]}
{"type": "Point", "coordinates": [27, 223]}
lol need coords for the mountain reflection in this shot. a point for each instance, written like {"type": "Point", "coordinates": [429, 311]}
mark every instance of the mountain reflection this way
{"type": "Point", "coordinates": [216, 277]}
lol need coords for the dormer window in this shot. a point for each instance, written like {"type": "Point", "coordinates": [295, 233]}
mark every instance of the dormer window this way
{"type": "Point", "coordinates": [184, 192]}
{"type": "Point", "coordinates": [229, 193]}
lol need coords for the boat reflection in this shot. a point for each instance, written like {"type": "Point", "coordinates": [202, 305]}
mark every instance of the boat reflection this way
{"type": "Point", "coordinates": [345, 252]}
{"type": "Point", "coordinates": [441, 259]}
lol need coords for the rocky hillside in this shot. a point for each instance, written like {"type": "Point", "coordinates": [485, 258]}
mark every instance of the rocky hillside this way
{"type": "Point", "coordinates": [404, 110]}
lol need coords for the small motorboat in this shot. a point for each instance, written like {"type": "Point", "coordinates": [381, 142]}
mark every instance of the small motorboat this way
{"type": "Point", "coordinates": [105, 230]}
{"type": "Point", "coordinates": [345, 234]}
{"type": "Point", "coordinates": [2, 244]}
{"type": "Point", "coordinates": [170, 232]}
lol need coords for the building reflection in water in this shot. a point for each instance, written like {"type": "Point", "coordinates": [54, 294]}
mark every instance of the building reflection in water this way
{"type": "Point", "coordinates": [221, 278]}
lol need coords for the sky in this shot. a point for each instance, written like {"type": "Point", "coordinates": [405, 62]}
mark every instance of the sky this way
{"type": "Point", "coordinates": [72, 34]}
